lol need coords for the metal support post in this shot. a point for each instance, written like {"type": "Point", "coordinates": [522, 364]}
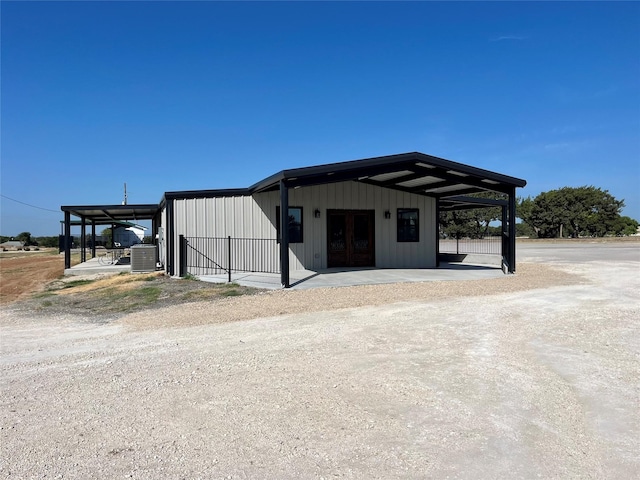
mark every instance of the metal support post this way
{"type": "Point", "coordinates": [183, 256]}
{"type": "Point", "coordinates": [504, 237]}
{"type": "Point", "coordinates": [512, 231]}
{"type": "Point", "coordinates": [284, 235]}
{"type": "Point", "coordinates": [83, 240]}
{"type": "Point", "coordinates": [67, 240]}
{"type": "Point", "coordinates": [93, 239]}
{"type": "Point", "coordinates": [229, 257]}
{"type": "Point", "coordinates": [437, 232]}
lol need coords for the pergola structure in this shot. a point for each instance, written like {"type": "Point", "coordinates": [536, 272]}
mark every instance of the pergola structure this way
{"type": "Point", "coordinates": [102, 215]}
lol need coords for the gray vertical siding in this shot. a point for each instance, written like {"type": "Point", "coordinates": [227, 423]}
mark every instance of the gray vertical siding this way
{"type": "Point", "coordinates": [255, 217]}
{"type": "Point", "coordinates": [358, 196]}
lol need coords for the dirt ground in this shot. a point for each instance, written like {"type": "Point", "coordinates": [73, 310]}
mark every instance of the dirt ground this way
{"type": "Point", "coordinates": [531, 376]}
{"type": "Point", "coordinates": [34, 282]}
{"type": "Point", "coordinates": [21, 274]}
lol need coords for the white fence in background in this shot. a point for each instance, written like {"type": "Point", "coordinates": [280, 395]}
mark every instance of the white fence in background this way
{"type": "Point", "coordinates": [487, 245]}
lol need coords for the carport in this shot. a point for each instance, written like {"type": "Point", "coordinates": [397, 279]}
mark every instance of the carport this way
{"type": "Point", "coordinates": [110, 215]}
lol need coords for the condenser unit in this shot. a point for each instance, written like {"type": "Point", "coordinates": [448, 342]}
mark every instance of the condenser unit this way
{"type": "Point", "coordinates": [143, 258]}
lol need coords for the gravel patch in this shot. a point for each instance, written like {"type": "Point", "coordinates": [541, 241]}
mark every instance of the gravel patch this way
{"type": "Point", "coordinates": [526, 376]}
{"type": "Point", "coordinates": [287, 302]}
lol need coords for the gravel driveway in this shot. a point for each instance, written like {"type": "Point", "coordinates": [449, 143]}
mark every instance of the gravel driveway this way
{"type": "Point", "coordinates": [531, 376]}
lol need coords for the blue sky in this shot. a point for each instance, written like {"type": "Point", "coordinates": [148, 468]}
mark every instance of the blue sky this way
{"type": "Point", "coordinates": [182, 96]}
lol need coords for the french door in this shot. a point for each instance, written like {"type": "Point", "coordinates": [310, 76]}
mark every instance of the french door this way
{"type": "Point", "coordinates": [350, 238]}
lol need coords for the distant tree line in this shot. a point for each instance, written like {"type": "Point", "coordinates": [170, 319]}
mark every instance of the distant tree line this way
{"type": "Point", "coordinates": [28, 241]}
{"type": "Point", "coordinates": [567, 212]}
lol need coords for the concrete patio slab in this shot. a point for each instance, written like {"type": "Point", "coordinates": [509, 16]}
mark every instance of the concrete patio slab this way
{"type": "Point", "coordinates": [93, 266]}
{"type": "Point", "coordinates": [341, 277]}
{"type": "Point", "coordinates": [331, 277]}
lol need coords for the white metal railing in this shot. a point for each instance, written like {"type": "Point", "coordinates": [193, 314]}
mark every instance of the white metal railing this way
{"type": "Point", "coordinates": [486, 245]}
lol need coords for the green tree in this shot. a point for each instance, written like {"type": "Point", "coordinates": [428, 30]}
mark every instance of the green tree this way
{"type": "Point", "coordinates": [523, 212]}
{"type": "Point", "coordinates": [47, 241]}
{"type": "Point", "coordinates": [624, 226]}
{"type": "Point", "coordinates": [572, 212]}
{"type": "Point", "coordinates": [547, 215]}
{"type": "Point", "coordinates": [107, 235]}
{"type": "Point", "coordinates": [25, 238]}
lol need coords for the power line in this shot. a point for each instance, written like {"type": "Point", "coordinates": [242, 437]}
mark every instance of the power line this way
{"type": "Point", "coordinates": [29, 205]}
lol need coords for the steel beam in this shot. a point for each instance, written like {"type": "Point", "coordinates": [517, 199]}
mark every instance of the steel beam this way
{"type": "Point", "coordinates": [67, 240]}
{"type": "Point", "coordinates": [512, 230]}
{"type": "Point", "coordinates": [284, 234]}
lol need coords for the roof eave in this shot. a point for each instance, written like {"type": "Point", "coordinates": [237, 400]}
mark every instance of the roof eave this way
{"type": "Point", "coordinates": [188, 194]}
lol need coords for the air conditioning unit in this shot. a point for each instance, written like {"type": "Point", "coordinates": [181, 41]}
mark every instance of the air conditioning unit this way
{"type": "Point", "coordinates": [143, 258]}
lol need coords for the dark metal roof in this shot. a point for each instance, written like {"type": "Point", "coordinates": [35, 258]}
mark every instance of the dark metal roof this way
{"type": "Point", "coordinates": [119, 223]}
{"type": "Point", "coordinates": [415, 172]}
{"type": "Point", "coordinates": [107, 214]}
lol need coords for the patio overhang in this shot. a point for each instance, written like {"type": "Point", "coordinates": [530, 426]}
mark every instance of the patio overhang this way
{"type": "Point", "coordinates": [94, 215]}
{"type": "Point", "coordinates": [415, 173]}
{"type": "Point", "coordinates": [108, 214]}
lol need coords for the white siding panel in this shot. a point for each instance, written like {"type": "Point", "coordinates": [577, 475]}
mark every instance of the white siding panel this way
{"type": "Point", "coordinates": [238, 217]}
{"type": "Point", "coordinates": [255, 217]}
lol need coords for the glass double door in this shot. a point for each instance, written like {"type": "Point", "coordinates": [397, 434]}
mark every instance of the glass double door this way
{"type": "Point", "coordinates": [350, 238]}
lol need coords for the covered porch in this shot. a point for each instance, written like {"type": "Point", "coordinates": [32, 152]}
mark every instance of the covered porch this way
{"type": "Point", "coordinates": [451, 184]}
{"type": "Point", "coordinates": [93, 216]}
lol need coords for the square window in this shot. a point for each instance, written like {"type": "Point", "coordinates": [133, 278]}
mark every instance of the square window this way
{"type": "Point", "coordinates": [295, 224]}
{"type": "Point", "coordinates": [408, 230]}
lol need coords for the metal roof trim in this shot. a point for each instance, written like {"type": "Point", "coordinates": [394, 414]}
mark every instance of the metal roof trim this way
{"type": "Point", "coordinates": [359, 169]}
{"type": "Point", "coordinates": [353, 170]}
{"type": "Point", "coordinates": [189, 194]}
{"type": "Point", "coordinates": [133, 206]}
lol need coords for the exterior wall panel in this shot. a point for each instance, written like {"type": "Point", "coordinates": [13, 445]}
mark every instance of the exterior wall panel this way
{"type": "Point", "coordinates": [255, 217]}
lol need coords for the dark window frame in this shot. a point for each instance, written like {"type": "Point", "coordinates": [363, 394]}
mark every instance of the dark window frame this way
{"type": "Point", "coordinates": [293, 236]}
{"type": "Point", "coordinates": [404, 231]}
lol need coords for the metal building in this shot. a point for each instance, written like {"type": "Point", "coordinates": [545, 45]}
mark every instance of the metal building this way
{"type": "Point", "coordinates": [377, 212]}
